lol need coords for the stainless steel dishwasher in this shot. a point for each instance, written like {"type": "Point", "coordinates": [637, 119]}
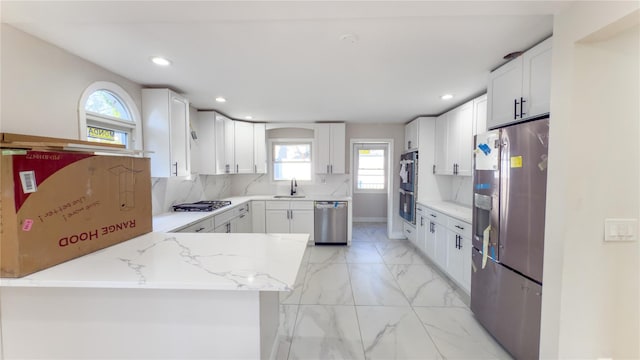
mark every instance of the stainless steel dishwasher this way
{"type": "Point", "coordinates": [330, 222]}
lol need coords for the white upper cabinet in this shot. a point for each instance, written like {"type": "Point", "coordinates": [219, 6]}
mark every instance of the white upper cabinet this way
{"type": "Point", "coordinates": [460, 147]}
{"type": "Point", "coordinates": [454, 141]}
{"type": "Point", "coordinates": [206, 125]}
{"type": "Point", "coordinates": [520, 89]}
{"type": "Point", "coordinates": [224, 132]}
{"type": "Point", "coordinates": [230, 147]}
{"type": "Point", "coordinates": [165, 120]}
{"type": "Point", "coordinates": [330, 148]}
{"type": "Point", "coordinates": [243, 147]}
{"type": "Point", "coordinates": [411, 141]}
{"type": "Point", "coordinates": [536, 79]}
{"type": "Point", "coordinates": [441, 145]}
{"type": "Point", "coordinates": [260, 148]}
{"type": "Point", "coordinates": [480, 115]}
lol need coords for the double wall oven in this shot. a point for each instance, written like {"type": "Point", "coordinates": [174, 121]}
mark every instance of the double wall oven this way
{"type": "Point", "coordinates": [408, 187]}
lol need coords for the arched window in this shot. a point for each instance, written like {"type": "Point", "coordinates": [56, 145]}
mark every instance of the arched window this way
{"type": "Point", "coordinates": [107, 114]}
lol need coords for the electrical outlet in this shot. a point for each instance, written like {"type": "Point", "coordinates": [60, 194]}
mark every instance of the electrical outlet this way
{"type": "Point", "coordinates": [620, 229]}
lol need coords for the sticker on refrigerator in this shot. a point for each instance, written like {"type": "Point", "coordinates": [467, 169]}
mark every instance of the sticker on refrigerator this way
{"type": "Point", "coordinates": [28, 181]}
{"type": "Point", "coordinates": [516, 161]}
{"type": "Point", "coordinates": [485, 148]}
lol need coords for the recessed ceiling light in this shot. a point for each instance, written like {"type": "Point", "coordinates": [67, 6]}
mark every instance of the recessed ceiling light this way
{"type": "Point", "coordinates": [248, 117]}
{"type": "Point", "coordinates": [221, 99]}
{"type": "Point", "coordinates": [158, 60]}
{"type": "Point", "coordinates": [446, 97]}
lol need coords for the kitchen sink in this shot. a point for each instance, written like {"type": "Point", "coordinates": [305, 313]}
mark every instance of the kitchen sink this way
{"type": "Point", "coordinates": [289, 196]}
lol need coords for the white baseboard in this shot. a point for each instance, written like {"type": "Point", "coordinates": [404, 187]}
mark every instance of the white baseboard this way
{"type": "Point", "coordinates": [369, 219]}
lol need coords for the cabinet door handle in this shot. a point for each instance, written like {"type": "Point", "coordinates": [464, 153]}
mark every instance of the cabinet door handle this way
{"type": "Point", "coordinates": [331, 167]}
{"type": "Point", "coordinates": [291, 214]}
{"type": "Point", "coordinates": [522, 113]}
{"type": "Point", "coordinates": [227, 168]}
{"type": "Point", "coordinates": [460, 227]}
{"type": "Point", "coordinates": [237, 168]}
{"type": "Point", "coordinates": [200, 229]}
{"type": "Point", "coordinates": [515, 109]}
{"type": "Point", "coordinates": [432, 215]}
{"type": "Point", "coordinates": [255, 168]}
{"type": "Point", "coordinates": [421, 221]}
{"type": "Point", "coordinates": [434, 168]}
{"type": "Point", "coordinates": [409, 144]}
{"type": "Point", "coordinates": [176, 165]}
{"type": "Point", "coordinates": [327, 168]}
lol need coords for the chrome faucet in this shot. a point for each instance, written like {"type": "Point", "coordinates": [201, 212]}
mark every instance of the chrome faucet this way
{"type": "Point", "coordinates": [294, 186]}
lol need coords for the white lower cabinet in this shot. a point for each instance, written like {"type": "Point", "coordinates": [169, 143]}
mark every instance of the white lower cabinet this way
{"type": "Point", "coordinates": [447, 242]}
{"type": "Point", "coordinates": [236, 220]}
{"type": "Point", "coordinates": [202, 226]}
{"type": "Point", "coordinates": [243, 223]}
{"type": "Point", "coordinates": [421, 228]}
{"type": "Point", "coordinates": [409, 232]}
{"type": "Point", "coordinates": [258, 217]}
{"type": "Point", "coordinates": [440, 245]}
{"type": "Point", "coordinates": [289, 217]}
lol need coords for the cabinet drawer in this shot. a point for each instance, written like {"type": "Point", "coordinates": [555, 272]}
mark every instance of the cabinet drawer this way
{"type": "Point", "coordinates": [225, 217]}
{"type": "Point", "coordinates": [435, 216]}
{"type": "Point", "coordinates": [205, 225]}
{"type": "Point", "coordinates": [409, 231]}
{"type": "Point", "coordinates": [301, 205]}
{"type": "Point", "coordinates": [242, 209]}
{"type": "Point", "coordinates": [459, 227]}
{"type": "Point", "coordinates": [277, 205]}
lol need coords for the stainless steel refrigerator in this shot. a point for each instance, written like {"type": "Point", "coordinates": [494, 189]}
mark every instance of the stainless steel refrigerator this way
{"type": "Point", "coordinates": [510, 185]}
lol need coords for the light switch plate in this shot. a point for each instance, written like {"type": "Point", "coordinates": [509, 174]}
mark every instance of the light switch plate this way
{"type": "Point", "coordinates": [620, 229]}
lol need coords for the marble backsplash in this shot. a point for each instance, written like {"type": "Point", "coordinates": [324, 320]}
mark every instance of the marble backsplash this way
{"type": "Point", "coordinates": [166, 192]}
{"type": "Point", "coordinates": [462, 190]}
{"type": "Point", "coordinates": [336, 185]}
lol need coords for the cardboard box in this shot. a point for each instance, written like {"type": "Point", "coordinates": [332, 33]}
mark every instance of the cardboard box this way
{"type": "Point", "coordinates": [56, 206]}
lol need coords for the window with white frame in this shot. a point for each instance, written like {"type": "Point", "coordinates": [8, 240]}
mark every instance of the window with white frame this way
{"type": "Point", "coordinates": [370, 168]}
{"type": "Point", "coordinates": [291, 159]}
{"type": "Point", "coordinates": [107, 114]}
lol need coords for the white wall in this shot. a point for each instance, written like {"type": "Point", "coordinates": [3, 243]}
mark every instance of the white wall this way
{"type": "Point", "coordinates": [42, 85]}
{"type": "Point", "coordinates": [590, 304]}
{"type": "Point", "coordinates": [369, 207]}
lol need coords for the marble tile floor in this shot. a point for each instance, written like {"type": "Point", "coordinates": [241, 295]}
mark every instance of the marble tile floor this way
{"type": "Point", "coordinates": [377, 299]}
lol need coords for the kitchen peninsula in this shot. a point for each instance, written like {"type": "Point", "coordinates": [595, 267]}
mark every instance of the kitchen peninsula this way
{"type": "Point", "coordinates": [160, 295]}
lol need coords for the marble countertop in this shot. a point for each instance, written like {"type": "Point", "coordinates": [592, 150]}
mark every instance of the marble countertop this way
{"type": "Point", "coordinates": [258, 262]}
{"type": "Point", "coordinates": [458, 211]}
{"type": "Point", "coordinates": [171, 221]}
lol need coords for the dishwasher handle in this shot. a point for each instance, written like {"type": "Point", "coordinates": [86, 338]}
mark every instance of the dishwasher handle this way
{"type": "Point", "coordinates": [330, 204]}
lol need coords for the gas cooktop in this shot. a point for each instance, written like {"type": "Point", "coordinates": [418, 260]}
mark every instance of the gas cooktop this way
{"type": "Point", "coordinates": [206, 205]}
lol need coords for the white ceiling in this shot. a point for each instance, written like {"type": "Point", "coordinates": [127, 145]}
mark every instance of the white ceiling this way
{"type": "Point", "coordinates": [285, 61]}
